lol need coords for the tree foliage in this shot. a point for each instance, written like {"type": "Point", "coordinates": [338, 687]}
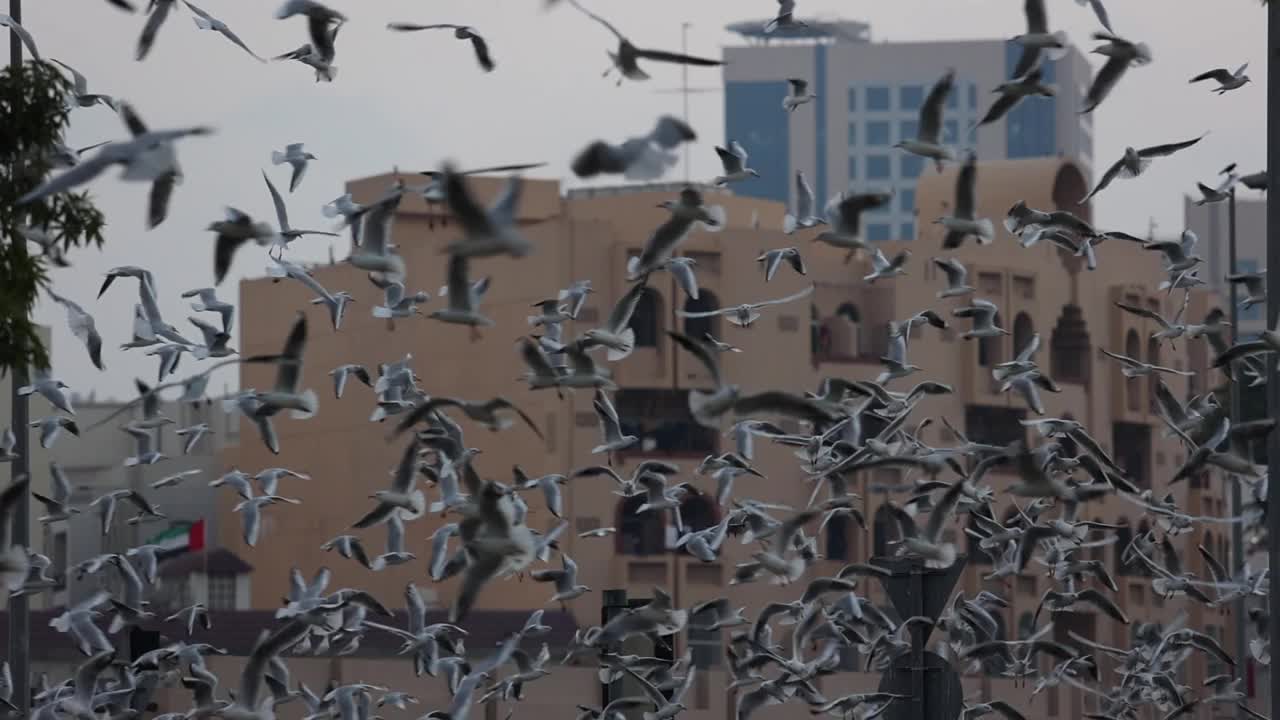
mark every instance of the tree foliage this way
{"type": "Point", "coordinates": [34, 114]}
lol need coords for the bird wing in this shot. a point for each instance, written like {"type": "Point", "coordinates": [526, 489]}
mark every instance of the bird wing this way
{"type": "Point", "coordinates": [1108, 75]}
{"type": "Point", "coordinates": [798, 85]}
{"type": "Point", "coordinates": [1095, 597]}
{"type": "Point", "coordinates": [599, 19]}
{"type": "Point", "coordinates": [780, 301]}
{"type": "Point", "coordinates": [942, 511]}
{"type": "Point", "coordinates": [620, 316]}
{"type": "Point", "coordinates": [731, 162]}
{"type": "Point", "coordinates": [966, 181]}
{"type": "Point", "coordinates": [1037, 19]}
{"type": "Point", "coordinates": [804, 196]}
{"type": "Point", "coordinates": [1143, 312]}
{"type": "Point", "coordinates": [1216, 569]}
{"type": "Point", "coordinates": [1222, 75]}
{"type": "Point", "coordinates": [702, 353]}
{"type": "Point", "coordinates": [1168, 148]}
{"type": "Point", "coordinates": [1000, 108]}
{"type": "Point", "coordinates": [282, 214]}
{"type": "Point", "coordinates": [1111, 174]}
{"type": "Point", "coordinates": [159, 13]}
{"type": "Point", "coordinates": [931, 111]}
{"type": "Point", "coordinates": [414, 27]}
{"type": "Point", "coordinates": [481, 49]}
{"type": "Point", "coordinates": [671, 57]}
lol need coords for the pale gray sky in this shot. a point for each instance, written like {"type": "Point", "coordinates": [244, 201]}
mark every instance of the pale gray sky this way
{"type": "Point", "coordinates": [414, 100]}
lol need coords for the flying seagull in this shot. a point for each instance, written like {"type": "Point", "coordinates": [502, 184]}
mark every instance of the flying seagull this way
{"type": "Point", "coordinates": [1012, 93]}
{"type": "Point", "coordinates": [1134, 162]}
{"type": "Point", "coordinates": [297, 158]}
{"type": "Point", "coordinates": [625, 60]}
{"type": "Point", "coordinates": [962, 224]}
{"type": "Point", "coordinates": [205, 21]}
{"type": "Point", "coordinates": [461, 32]}
{"type": "Point", "coordinates": [645, 157]}
{"type": "Point", "coordinates": [1037, 40]}
{"type": "Point", "coordinates": [785, 18]}
{"type": "Point", "coordinates": [799, 95]}
{"type": "Point", "coordinates": [23, 35]}
{"type": "Point", "coordinates": [287, 232]}
{"type": "Point", "coordinates": [927, 143]}
{"type": "Point", "coordinates": [734, 160]}
{"type": "Point", "coordinates": [1227, 80]}
{"type": "Point", "coordinates": [1121, 55]}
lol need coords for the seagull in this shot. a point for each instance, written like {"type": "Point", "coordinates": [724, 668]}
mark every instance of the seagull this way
{"type": "Point", "coordinates": [625, 61]}
{"type": "Point", "coordinates": [205, 21]}
{"type": "Point", "coordinates": [342, 372]}
{"type": "Point", "coordinates": [7, 444]}
{"type": "Point", "coordinates": [80, 95]}
{"type": "Point", "coordinates": [1121, 55]}
{"type": "Point", "coordinates": [485, 413]}
{"type": "Point", "coordinates": [785, 17]}
{"type": "Point", "coordinates": [799, 94]}
{"type": "Point", "coordinates": [565, 579]}
{"type": "Point", "coordinates": [191, 616]}
{"type": "Point", "coordinates": [51, 427]}
{"type": "Point", "coordinates": [617, 336]}
{"type": "Point", "coordinates": [771, 260]}
{"type": "Point", "coordinates": [882, 267]}
{"type": "Point", "coordinates": [687, 213]}
{"type": "Point", "coordinates": [158, 12]}
{"type": "Point", "coordinates": [926, 143]}
{"type": "Point", "coordinates": [962, 223]}
{"type": "Point", "coordinates": [1255, 287]}
{"type": "Point", "coordinates": [320, 60]}
{"type": "Point", "coordinates": [319, 20]}
{"type": "Point", "coordinates": [734, 161]}
{"type": "Point", "coordinates": [487, 231]}
{"type": "Point", "coordinates": [1227, 80]}
{"type": "Point", "coordinates": [983, 314]}
{"type": "Point", "coordinates": [58, 507]}
{"type": "Point", "coordinates": [1132, 368]}
{"type": "Point", "coordinates": [23, 35]}
{"type": "Point", "coordinates": [463, 297]}
{"type": "Point", "coordinates": [1178, 253]}
{"type": "Point", "coordinates": [1216, 194]}
{"type": "Point", "coordinates": [1099, 11]}
{"type": "Point", "coordinates": [192, 435]}
{"type": "Point", "coordinates": [645, 157]}
{"type": "Point", "coordinates": [1012, 93]}
{"type": "Point", "coordinates": [747, 313]}
{"type": "Point", "coordinates": [461, 32]}
{"type": "Point", "coordinates": [215, 341]}
{"type": "Point", "coordinates": [82, 327]}
{"type": "Point", "coordinates": [803, 216]}
{"type": "Point", "coordinates": [285, 395]}
{"type": "Point", "coordinates": [610, 427]}
{"type": "Point", "coordinates": [957, 278]}
{"type": "Point", "coordinates": [335, 302]}
{"type": "Point", "coordinates": [209, 302]}
{"type": "Point", "coordinates": [1037, 40]}
{"type": "Point", "coordinates": [844, 215]}
{"type": "Point", "coordinates": [233, 232]}
{"type": "Point", "coordinates": [287, 232]}
{"type": "Point", "coordinates": [403, 498]}
{"type": "Point", "coordinates": [251, 509]}
{"type": "Point", "coordinates": [349, 547]}
{"type": "Point", "coordinates": [50, 388]}
{"type": "Point", "coordinates": [1134, 162]}
{"type": "Point", "coordinates": [298, 160]}
{"type": "Point", "coordinates": [1170, 329]}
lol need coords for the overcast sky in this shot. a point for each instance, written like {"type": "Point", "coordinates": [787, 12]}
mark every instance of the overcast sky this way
{"type": "Point", "coordinates": [413, 100]}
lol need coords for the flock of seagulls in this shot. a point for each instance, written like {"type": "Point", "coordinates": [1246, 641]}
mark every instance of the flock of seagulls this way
{"type": "Point", "coordinates": [844, 427]}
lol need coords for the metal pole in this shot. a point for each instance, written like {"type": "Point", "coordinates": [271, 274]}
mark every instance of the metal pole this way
{"type": "Point", "coordinates": [684, 90]}
{"type": "Point", "coordinates": [1237, 499]}
{"type": "Point", "coordinates": [1273, 314]}
{"type": "Point", "coordinates": [19, 622]}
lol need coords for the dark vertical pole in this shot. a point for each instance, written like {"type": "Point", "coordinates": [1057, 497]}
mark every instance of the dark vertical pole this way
{"type": "Point", "coordinates": [917, 638]}
{"type": "Point", "coordinates": [612, 603]}
{"type": "Point", "coordinates": [1237, 499]}
{"type": "Point", "coordinates": [19, 623]}
{"type": "Point", "coordinates": [1273, 313]}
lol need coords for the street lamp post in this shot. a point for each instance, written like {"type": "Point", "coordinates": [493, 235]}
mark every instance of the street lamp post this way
{"type": "Point", "coordinates": [1273, 314]}
{"type": "Point", "coordinates": [19, 622]}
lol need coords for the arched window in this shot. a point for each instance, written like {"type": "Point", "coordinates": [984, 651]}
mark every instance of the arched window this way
{"type": "Point", "coordinates": [838, 538]}
{"type": "Point", "coordinates": [1153, 357]}
{"type": "Point", "coordinates": [846, 331]}
{"type": "Point", "coordinates": [1133, 390]}
{"type": "Point", "coordinates": [699, 327]}
{"type": "Point", "coordinates": [1069, 357]}
{"type": "Point", "coordinates": [989, 347]}
{"type": "Point", "coordinates": [697, 512]}
{"type": "Point", "coordinates": [1124, 536]}
{"type": "Point", "coordinates": [977, 556]}
{"type": "Point", "coordinates": [883, 530]}
{"type": "Point", "coordinates": [646, 321]}
{"type": "Point", "coordinates": [1022, 332]}
{"type": "Point", "coordinates": [640, 533]}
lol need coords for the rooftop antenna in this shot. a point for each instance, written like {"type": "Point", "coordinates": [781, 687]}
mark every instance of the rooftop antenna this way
{"type": "Point", "coordinates": [686, 91]}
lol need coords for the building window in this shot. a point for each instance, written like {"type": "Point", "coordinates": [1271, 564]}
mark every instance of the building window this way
{"type": "Point", "coordinates": [697, 512]}
{"type": "Point", "coordinates": [907, 231]}
{"type": "Point", "coordinates": [646, 320]}
{"type": "Point", "coordinates": [878, 132]}
{"type": "Point", "coordinates": [222, 592]}
{"type": "Point", "coordinates": [907, 201]}
{"type": "Point", "coordinates": [989, 347]}
{"type": "Point", "coordinates": [853, 99]}
{"type": "Point", "coordinates": [640, 533]}
{"type": "Point", "coordinates": [878, 167]}
{"type": "Point", "coordinates": [853, 134]}
{"type": "Point", "coordinates": [910, 97]}
{"type": "Point", "coordinates": [908, 129]}
{"type": "Point", "coordinates": [660, 418]}
{"type": "Point", "coordinates": [1022, 332]}
{"type": "Point", "coordinates": [1132, 448]}
{"type": "Point", "coordinates": [838, 538]}
{"type": "Point", "coordinates": [884, 530]}
{"type": "Point", "coordinates": [910, 166]}
{"type": "Point", "coordinates": [704, 645]}
{"type": "Point", "coordinates": [698, 327]}
{"type": "Point", "coordinates": [878, 232]}
{"type": "Point", "coordinates": [994, 425]}
{"type": "Point", "coordinates": [878, 98]}
{"type": "Point", "coordinates": [853, 168]}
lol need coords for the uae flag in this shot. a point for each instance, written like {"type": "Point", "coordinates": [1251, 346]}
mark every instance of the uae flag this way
{"type": "Point", "coordinates": [180, 538]}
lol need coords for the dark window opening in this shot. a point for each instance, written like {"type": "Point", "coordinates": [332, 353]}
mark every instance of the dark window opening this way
{"type": "Point", "coordinates": [661, 419]}
{"type": "Point", "coordinates": [1132, 450]}
{"type": "Point", "coordinates": [994, 425]}
{"type": "Point", "coordinates": [640, 533]}
{"type": "Point", "coordinates": [699, 327]}
{"type": "Point", "coordinates": [646, 321]}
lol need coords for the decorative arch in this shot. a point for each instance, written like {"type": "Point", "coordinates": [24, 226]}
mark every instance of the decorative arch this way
{"type": "Point", "coordinates": [989, 347]}
{"type": "Point", "coordinates": [699, 327]}
{"type": "Point", "coordinates": [1069, 185]}
{"type": "Point", "coordinates": [1069, 347]}
{"type": "Point", "coordinates": [639, 533]}
{"type": "Point", "coordinates": [698, 512]}
{"type": "Point", "coordinates": [1023, 330]}
{"type": "Point", "coordinates": [1133, 390]}
{"type": "Point", "coordinates": [845, 331]}
{"type": "Point", "coordinates": [646, 321]}
{"type": "Point", "coordinates": [838, 544]}
{"type": "Point", "coordinates": [1153, 357]}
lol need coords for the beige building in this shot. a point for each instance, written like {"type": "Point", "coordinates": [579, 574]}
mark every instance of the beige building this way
{"type": "Point", "coordinates": [589, 235]}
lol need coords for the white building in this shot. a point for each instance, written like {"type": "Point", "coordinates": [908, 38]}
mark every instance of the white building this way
{"type": "Point", "coordinates": [868, 98]}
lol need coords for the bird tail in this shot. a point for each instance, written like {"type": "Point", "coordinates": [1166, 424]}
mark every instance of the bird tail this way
{"type": "Point", "coordinates": [277, 157]}
{"type": "Point", "coordinates": [986, 232]}
{"type": "Point", "coordinates": [381, 311]}
{"type": "Point", "coordinates": [789, 223]}
{"type": "Point", "coordinates": [310, 402]}
{"type": "Point", "coordinates": [628, 338]}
